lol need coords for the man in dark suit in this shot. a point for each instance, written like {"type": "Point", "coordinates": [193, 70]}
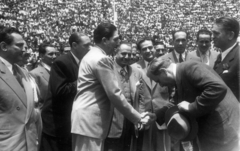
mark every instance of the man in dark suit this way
{"type": "Point", "coordinates": [203, 95]}
{"type": "Point", "coordinates": [204, 51]}
{"type": "Point", "coordinates": [225, 34]}
{"type": "Point", "coordinates": [180, 54]}
{"type": "Point", "coordinates": [122, 135]}
{"type": "Point", "coordinates": [20, 122]}
{"type": "Point", "coordinates": [41, 74]}
{"type": "Point", "coordinates": [155, 96]}
{"type": "Point", "coordinates": [56, 112]}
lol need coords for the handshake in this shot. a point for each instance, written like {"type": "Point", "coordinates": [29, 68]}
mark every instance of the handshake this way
{"type": "Point", "coordinates": [147, 118]}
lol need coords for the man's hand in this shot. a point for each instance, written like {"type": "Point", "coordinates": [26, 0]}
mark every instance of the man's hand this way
{"type": "Point", "coordinates": [147, 118]}
{"type": "Point", "coordinates": [184, 106]}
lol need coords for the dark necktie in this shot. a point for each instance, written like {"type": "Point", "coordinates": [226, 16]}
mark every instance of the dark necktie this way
{"type": "Point", "coordinates": [218, 61]}
{"type": "Point", "coordinates": [180, 58]}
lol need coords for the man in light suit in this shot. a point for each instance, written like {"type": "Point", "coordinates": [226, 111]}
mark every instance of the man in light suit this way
{"type": "Point", "coordinates": [203, 95]}
{"type": "Point", "coordinates": [122, 134]}
{"type": "Point", "coordinates": [204, 51]}
{"type": "Point", "coordinates": [225, 34]}
{"type": "Point", "coordinates": [20, 122]}
{"type": "Point", "coordinates": [41, 74]}
{"type": "Point", "coordinates": [155, 96]}
{"type": "Point", "coordinates": [56, 111]}
{"type": "Point", "coordinates": [98, 92]}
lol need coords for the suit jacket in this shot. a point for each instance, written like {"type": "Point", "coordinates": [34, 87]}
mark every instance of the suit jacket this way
{"type": "Point", "coordinates": [41, 76]}
{"type": "Point", "coordinates": [212, 103]}
{"type": "Point", "coordinates": [135, 76]}
{"type": "Point", "coordinates": [97, 90]}
{"type": "Point", "coordinates": [56, 112]}
{"type": "Point", "coordinates": [212, 56]}
{"type": "Point", "coordinates": [20, 122]}
{"type": "Point", "coordinates": [229, 70]}
{"type": "Point", "coordinates": [173, 58]}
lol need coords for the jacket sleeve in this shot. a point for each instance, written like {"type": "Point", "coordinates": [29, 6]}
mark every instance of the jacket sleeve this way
{"type": "Point", "coordinates": [212, 89]}
{"type": "Point", "coordinates": [61, 85]}
{"type": "Point", "coordinates": [107, 78]}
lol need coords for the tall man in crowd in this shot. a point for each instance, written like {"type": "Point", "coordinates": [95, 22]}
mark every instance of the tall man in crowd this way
{"type": "Point", "coordinates": [204, 52]}
{"type": "Point", "coordinates": [98, 92]}
{"type": "Point", "coordinates": [20, 122]}
{"type": "Point", "coordinates": [155, 96]}
{"type": "Point", "coordinates": [123, 134]}
{"type": "Point", "coordinates": [225, 34]}
{"type": "Point", "coordinates": [41, 74]}
{"type": "Point", "coordinates": [180, 54]}
{"type": "Point", "coordinates": [203, 95]}
{"type": "Point", "coordinates": [56, 112]}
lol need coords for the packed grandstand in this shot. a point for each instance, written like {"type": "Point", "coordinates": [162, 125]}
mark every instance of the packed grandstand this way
{"type": "Point", "coordinates": [54, 20]}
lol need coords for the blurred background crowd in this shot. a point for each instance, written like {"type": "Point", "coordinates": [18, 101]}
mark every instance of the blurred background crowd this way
{"type": "Point", "coordinates": [54, 20]}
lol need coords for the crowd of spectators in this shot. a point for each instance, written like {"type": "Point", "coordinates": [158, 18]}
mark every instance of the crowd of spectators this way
{"type": "Point", "coordinates": [54, 20]}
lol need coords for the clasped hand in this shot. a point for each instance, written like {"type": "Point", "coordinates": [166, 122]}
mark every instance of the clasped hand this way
{"type": "Point", "coordinates": [147, 118]}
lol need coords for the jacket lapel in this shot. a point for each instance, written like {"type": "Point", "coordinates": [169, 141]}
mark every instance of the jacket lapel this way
{"type": "Point", "coordinates": [12, 82]}
{"type": "Point", "coordinates": [228, 59]}
{"type": "Point", "coordinates": [145, 78]}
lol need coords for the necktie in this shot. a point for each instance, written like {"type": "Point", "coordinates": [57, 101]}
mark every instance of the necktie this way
{"type": "Point", "coordinates": [180, 58]}
{"type": "Point", "coordinates": [16, 74]}
{"type": "Point", "coordinates": [123, 73]}
{"type": "Point", "coordinates": [218, 61]}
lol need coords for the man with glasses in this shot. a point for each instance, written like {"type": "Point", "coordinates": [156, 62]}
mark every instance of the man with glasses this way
{"type": "Point", "coordinates": [204, 52]}
{"type": "Point", "coordinates": [160, 49]}
{"type": "Point", "coordinates": [154, 137]}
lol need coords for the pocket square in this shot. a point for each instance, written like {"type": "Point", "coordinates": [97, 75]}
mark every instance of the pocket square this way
{"type": "Point", "coordinates": [225, 71]}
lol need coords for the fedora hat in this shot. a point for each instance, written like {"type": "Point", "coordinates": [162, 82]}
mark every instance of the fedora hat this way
{"type": "Point", "coordinates": [180, 126]}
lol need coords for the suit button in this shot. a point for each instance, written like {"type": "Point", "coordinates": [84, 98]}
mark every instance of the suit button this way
{"type": "Point", "coordinates": [18, 108]}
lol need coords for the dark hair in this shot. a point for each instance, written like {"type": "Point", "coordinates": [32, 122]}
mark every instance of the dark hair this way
{"type": "Point", "coordinates": [42, 48]}
{"type": "Point", "coordinates": [5, 34]}
{"type": "Point", "coordinates": [157, 64]}
{"type": "Point", "coordinates": [204, 31]}
{"type": "Point", "coordinates": [229, 24]}
{"type": "Point", "coordinates": [75, 37]}
{"type": "Point", "coordinates": [177, 31]}
{"type": "Point", "coordinates": [159, 43]}
{"type": "Point", "coordinates": [103, 30]}
{"type": "Point", "coordinates": [143, 40]}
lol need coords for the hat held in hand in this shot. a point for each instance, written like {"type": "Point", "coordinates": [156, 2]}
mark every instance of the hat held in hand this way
{"type": "Point", "coordinates": [180, 126]}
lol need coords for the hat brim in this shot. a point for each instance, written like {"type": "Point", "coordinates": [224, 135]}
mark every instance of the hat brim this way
{"type": "Point", "coordinates": [192, 121]}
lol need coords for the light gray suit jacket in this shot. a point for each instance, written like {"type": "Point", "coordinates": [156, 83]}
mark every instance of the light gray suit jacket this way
{"type": "Point", "coordinates": [97, 92]}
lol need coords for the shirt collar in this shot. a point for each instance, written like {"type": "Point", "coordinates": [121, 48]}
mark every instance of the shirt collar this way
{"type": "Point", "coordinates": [183, 55]}
{"type": "Point", "coordinates": [76, 59]}
{"type": "Point", "coordinates": [224, 53]}
{"type": "Point", "coordinates": [101, 50]}
{"type": "Point", "coordinates": [47, 67]}
{"type": "Point", "coordinates": [9, 65]}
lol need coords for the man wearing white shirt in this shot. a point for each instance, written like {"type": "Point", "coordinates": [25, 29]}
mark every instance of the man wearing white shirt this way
{"type": "Point", "coordinates": [225, 34]}
{"type": "Point", "coordinates": [204, 51]}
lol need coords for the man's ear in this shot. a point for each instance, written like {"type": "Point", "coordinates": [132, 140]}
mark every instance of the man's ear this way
{"type": "Point", "coordinates": [3, 46]}
{"type": "Point", "coordinates": [231, 35]}
{"type": "Point", "coordinates": [104, 40]}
